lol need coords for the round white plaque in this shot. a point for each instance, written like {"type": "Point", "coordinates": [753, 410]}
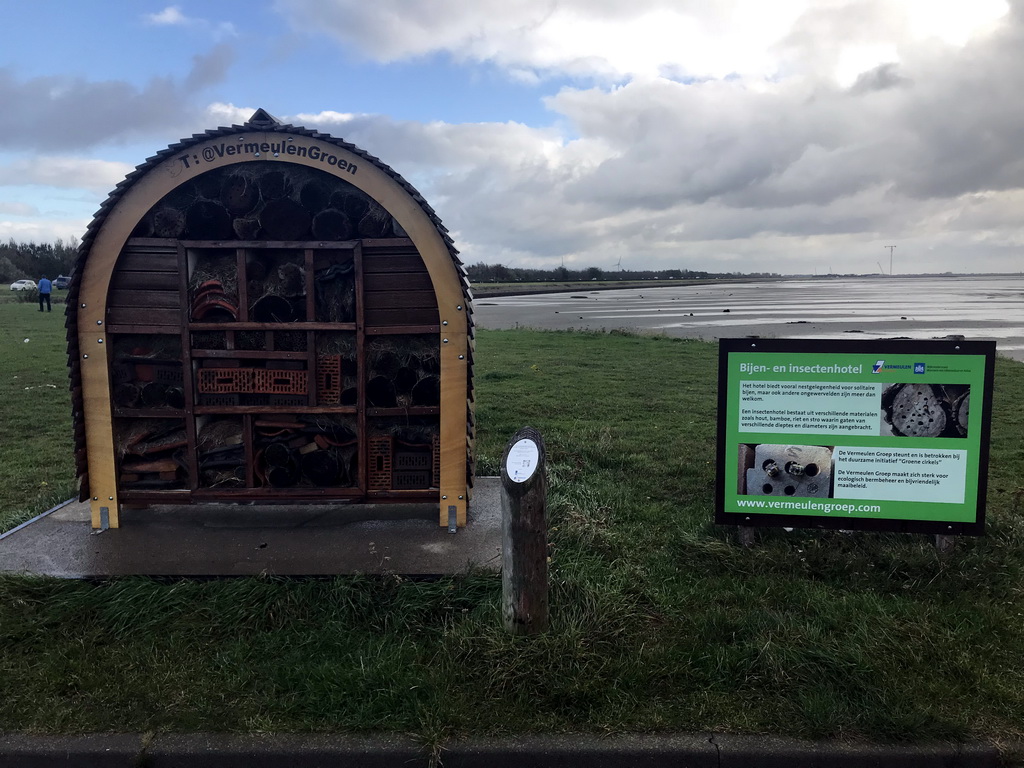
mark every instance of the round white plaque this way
{"type": "Point", "coordinates": [522, 461]}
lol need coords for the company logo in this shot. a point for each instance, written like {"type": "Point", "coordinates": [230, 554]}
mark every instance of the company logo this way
{"type": "Point", "coordinates": [265, 150]}
{"type": "Point", "coordinates": [918, 367]}
{"type": "Point", "coordinates": [881, 366]}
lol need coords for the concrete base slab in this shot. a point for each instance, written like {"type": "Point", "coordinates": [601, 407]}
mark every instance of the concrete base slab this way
{"type": "Point", "coordinates": [248, 540]}
{"type": "Point", "coordinates": [199, 750]}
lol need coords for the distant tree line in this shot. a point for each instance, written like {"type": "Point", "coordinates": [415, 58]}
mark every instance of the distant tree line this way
{"type": "Point", "coordinates": [499, 273]}
{"type": "Point", "coordinates": [33, 260]}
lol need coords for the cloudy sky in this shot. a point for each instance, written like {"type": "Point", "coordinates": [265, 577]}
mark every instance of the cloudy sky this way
{"type": "Point", "coordinates": [735, 135]}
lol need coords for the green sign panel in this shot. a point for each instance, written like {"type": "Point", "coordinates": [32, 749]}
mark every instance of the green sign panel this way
{"type": "Point", "coordinates": [871, 435]}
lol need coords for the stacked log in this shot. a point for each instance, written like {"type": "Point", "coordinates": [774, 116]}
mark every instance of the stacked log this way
{"type": "Point", "coordinates": [403, 372]}
{"type": "Point", "coordinates": [265, 202]}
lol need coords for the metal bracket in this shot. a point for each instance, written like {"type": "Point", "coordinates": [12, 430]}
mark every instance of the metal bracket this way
{"type": "Point", "coordinates": [104, 520]}
{"type": "Point", "coordinates": [453, 519]}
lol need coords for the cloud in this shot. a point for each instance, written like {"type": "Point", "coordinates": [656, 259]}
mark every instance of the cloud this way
{"type": "Point", "coordinates": [579, 37]}
{"type": "Point", "coordinates": [841, 126]}
{"type": "Point", "coordinates": [171, 16]}
{"type": "Point", "coordinates": [17, 209]}
{"type": "Point", "coordinates": [210, 68]}
{"type": "Point", "coordinates": [68, 112]}
{"type": "Point", "coordinates": [769, 175]}
{"type": "Point", "coordinates": [614, 41]}
{"type": "Point", "coordinates": [61, 172]}
{"type": "Point", "coordinates": [40, 231]}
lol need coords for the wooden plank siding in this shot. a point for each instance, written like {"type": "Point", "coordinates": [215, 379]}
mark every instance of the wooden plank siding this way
{"type": "Point", "coordinates": [397, 289]}
{"type": "Point", "coordinates": [144, 287]}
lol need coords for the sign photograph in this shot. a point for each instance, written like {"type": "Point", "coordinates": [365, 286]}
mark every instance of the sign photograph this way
{"type": "Point", "coordinates": [866, 435]}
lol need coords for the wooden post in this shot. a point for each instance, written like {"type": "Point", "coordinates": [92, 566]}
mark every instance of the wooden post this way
{"type": "Point", "coordinates": [944, 544]}
{"type": "Point", "coordinates": [524, 534]}
{"type": "Point", "coordinates": [746, 534]}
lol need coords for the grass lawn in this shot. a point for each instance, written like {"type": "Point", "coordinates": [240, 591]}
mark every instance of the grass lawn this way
{"type": "Point", "coordinates": [37, 467]}
{"type": "Point", "coordinates": [659, 620]}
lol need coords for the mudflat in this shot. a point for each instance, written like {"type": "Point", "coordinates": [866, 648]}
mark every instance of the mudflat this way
{"type": "Point", "coordinates": [976, 307]}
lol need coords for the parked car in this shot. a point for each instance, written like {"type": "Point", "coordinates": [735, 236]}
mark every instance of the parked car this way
{"type": "Point", "coordinates": [23, 285]}
{"type": "Point", "coordinates": [61, 282]}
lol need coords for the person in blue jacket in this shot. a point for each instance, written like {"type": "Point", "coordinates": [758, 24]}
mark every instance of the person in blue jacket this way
{"type": "Point", "coordinates": [45, 287]}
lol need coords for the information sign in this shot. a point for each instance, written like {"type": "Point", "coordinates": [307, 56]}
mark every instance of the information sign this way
{"type": "Point", "coordinates": [522, 461]}
{"type": "Point", "coordinates": [869, 435]}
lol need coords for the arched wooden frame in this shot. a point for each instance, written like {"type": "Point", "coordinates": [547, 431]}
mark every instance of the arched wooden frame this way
{"type": "Point", "coordinates": [209, 155]}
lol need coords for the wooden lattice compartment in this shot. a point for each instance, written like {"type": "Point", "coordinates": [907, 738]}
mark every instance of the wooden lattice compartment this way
{"type": "Point", "coordinates": [151, 454]}
{"type": "Point", "coordinates": [276, 286]}
{"type": "Point", "coordinates": [140, 357]}
{"type": "Point", "coordinates": [209, 340]}
{"type": "Point", "coordinates": [305, 451]}
{"type": "Point", "coordinates": [213, 285]}
{"type": "Point", "coordinates": [169, 374]}
{"type": "Point", "coordinates": [335, 285]}
{"type": "Point", "coordinates": [290, 341]}
{"type": "Point", "coordinates": [251, 340]}
{"type": "Point", "coordinates": [404, 453]}
{"type": "Point", "coordinates": [330, 458]}
{"type": "Point", "coordinates": [220, 452]}
{"type": "Point", "coordinates": [146, 371]}
{"type": "Point", "coordinates": [152, 394]}
{"type": "Point", "coordinates": [403, 371]}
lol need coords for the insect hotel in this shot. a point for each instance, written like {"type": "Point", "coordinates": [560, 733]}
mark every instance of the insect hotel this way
{"type": "Point", "coordinates": [264, 313]}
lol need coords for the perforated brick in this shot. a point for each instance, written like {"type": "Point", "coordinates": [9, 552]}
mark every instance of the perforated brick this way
{"type": "Point", "coordinates": [213, 380]}
{"type": "Point", "coordinates": [328, 379]}
{"type": "Point", "coordinates": [279, 382]}
{"type": "Point", "coordinates": [379, 459]}
{"type": "Point", "coordinates": [411, 469]}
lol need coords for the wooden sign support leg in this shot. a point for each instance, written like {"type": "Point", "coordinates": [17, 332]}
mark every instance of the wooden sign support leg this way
{"type": "Point", "coordinates": [524, 534]}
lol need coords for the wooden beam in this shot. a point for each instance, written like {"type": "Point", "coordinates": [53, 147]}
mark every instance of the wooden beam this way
{"type": "Point", "coordinates": [524, 534]}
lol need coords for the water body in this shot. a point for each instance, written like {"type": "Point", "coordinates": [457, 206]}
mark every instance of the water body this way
{"type": "Point", "coordinates": [978, 308]}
